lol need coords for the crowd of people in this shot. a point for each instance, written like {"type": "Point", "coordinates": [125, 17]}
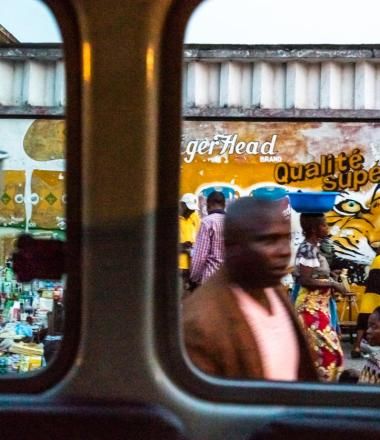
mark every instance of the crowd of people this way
{"type": "Point", "coordinates": [238, 320]}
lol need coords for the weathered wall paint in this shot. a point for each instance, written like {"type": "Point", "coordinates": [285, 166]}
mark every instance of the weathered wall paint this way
{"type": "Point", "coordinates": [32, 180]}
{"type": "Point", "coordinates": [32, 176]}
{"type": "Point", "coordinates": [239, 168]}
{"type": "Point", "coordinates": [45, 140]}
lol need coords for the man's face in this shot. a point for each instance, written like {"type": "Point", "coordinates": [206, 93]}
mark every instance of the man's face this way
{"type": "Point", "coordinates": [182, 208]}
{"type": "Point", "coordinates": [373, 331]}
{"type": "Point", "coordinates": [261, 256]}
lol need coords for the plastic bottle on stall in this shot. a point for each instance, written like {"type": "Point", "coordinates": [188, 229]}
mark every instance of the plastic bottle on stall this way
{"type": "Point", "coordinates": [27, 296]}
{"type": "Point", "coordinates": [27, 293]}
{"type": "Point", "coordinates": [23, 314]}
{"type": "Point", "coordinates": [36, 301]}
{"type": "Point", "coordinates": [15, 290]}
{"type": "Point", "coordinates": [15, 311]}
{"type": "Point", "coordinates": [9, 275]}
{"type": "Point", "coordinates": [7, 310]}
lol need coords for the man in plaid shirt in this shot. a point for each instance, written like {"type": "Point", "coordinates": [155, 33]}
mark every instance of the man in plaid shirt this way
{"type": "Point", "coordinates": [208, 253]}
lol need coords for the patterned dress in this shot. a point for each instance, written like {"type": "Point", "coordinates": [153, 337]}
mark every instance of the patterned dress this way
{"type": "Point", "coordinates": [312, 307]}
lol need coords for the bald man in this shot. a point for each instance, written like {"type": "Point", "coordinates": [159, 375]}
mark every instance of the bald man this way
{"type": "Point", "coordinates": [239, 324]}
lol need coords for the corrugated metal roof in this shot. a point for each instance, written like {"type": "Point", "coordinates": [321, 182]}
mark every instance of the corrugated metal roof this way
{"type": "Point", "coordinates": [220, 81]}
{"type": "Point", "coordinates": [281, 81]}
{"type": "Point", "coordinates": [32, 80]}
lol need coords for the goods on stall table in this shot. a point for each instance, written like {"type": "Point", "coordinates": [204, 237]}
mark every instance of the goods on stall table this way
{"type": "Point", "coordinates": [17, 363]}
{"type": "Point", "coordinates": [24, 309]}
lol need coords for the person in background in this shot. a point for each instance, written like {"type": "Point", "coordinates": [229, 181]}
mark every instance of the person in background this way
{"type": "Point", "coordinates": [370, 300]}
{"type": "Point", "coordinates": [371, 369]}
{"type": "Point", "coordinates": [312, 274]}
{"type": "Point", "coordinates": [208, 253]}
{"type": "Point", "coordinates": [189, 223]}
{"type": "Point", "coordinates": [326, 248]}
{"type": "Point", "coordinates": [239, 323]}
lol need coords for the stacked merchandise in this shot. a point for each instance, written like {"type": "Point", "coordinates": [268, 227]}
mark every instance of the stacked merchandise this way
{"type": "Point", "coordinates": [24, 311]}
{"type": "Point", "coordinates": [27, 349]}
{"type": "Point", "coordinates": [31, 355]}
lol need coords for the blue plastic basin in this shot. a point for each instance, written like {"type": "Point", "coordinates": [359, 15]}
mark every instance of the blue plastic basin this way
{"type": "Point", "coordinates": [312, 201]}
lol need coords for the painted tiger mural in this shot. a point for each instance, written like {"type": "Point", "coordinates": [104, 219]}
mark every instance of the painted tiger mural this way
{"type": "Point", "coordinates": [355, 231]}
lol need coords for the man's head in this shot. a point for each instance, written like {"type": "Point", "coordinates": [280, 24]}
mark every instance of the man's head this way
{"type": "Point", "coordinates": [373, 331]}
{"type": "Point", "coordinates": [257, 241]}
{"type": "Point", "coordinates": [188, 204]}
{"type": "Point", "coordinates": [215, 200]}
{"type": "Point", "coordinates": [314, 225]}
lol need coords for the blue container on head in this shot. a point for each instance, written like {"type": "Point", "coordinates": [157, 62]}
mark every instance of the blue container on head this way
{"type": "Point", "coordinates": [312, 202]}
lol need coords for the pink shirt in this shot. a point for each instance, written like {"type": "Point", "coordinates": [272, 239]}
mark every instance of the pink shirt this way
{"type": "Point", "coordinates": [274, 334]}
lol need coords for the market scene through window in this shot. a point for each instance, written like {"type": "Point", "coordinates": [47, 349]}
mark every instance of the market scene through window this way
{"type": "Point", "coordinates": [32, 185]}
{"type": "Point", "coordinates": [279, 204]}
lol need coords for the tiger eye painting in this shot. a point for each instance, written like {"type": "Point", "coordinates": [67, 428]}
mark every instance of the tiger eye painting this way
{"type": "Point", "coordinates": [355, 229]}
{"type": "Point", "coordinates": [303, 156]}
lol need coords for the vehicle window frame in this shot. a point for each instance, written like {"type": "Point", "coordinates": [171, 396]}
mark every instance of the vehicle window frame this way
{"type": "Point", "coordinates": [167, 325]}
{"type": "Point", "coordinates": [44, 378]}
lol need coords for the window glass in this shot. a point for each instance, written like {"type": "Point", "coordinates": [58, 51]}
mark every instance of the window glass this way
{"type": "Point", "coordinates": [32, 185]}
{"type": "Point", "coordinates": [274, 22]}
{"type": "Point", "coordinates": [291, 126]}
